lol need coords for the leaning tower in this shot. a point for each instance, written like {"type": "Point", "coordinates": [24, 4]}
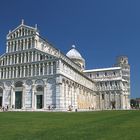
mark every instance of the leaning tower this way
{"type": "Point", "coordinates": [122, 61]}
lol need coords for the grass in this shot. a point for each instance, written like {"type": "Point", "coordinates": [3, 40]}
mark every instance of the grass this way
{"type": "Point", "coordinates": [104, 125]}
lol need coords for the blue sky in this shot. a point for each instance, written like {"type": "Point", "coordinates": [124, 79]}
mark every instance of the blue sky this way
{"type": "Point", "coordinates": [100, 29]}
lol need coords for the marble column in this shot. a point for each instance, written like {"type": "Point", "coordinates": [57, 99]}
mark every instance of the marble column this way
{"type": "Point", "coordinates": [10, 59]}
{"type": "Point", "coordinates": [24, 44]}
{"type": "Point", "coordinates": [35, 69]}
{"type": "Point", "coordinates": [32, 70]}
{"type": "Point", "coordinates": [43, 69]}
{"type": "Point", "coordinates": [21, 58]}
{"type": "Point", "coordinates": [32, 56]}
{"type": "Point", "coordinates": [24, 71]}
{"type": "Point", "coordinates": [16, 72]}
{"type": "Point", "coordinates": [47, 66]}
{"type": "Point", "coordinates": [45, 96]}
{"type": "Point", "coordinates": [35, 57]}
{"type": "Point", "coordinates": [20, 71]}
{"type": "Point", "coordinates": [14, 58]}
{"type": "Point", "coordinates": [33, 96]}
{"type": "Point", "coordinates": [51, 67]}
{"type": "Point", "coordinates": [23, 96]}
{"type": "Point", "coordinates": [25, 58]}
{"type": "Point", "coordinates": [12, 96]}
{"type": "Point", "coordinates": [17, 58]}
{"type": "Point", "coordinates": [6, 73]}
{"type": "Point", "coordinates": [39, 69]}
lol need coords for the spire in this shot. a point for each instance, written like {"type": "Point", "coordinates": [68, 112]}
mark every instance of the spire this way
{"type": "Point", "coordinates": [73, 46]}
{"type": "Point", "coordinates": [36, 26]}
{"type": "Point", "coordinates": [9, 31]}
{"type": "Point", "coordinates": [22, 21]}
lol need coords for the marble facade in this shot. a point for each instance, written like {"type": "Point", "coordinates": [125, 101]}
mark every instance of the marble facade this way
{"type": "Point", "coordinates": [34, 76]}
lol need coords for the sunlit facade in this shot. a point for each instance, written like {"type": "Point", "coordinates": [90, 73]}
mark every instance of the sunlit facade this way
{"type": "Point", "coordinates": [35, 76]}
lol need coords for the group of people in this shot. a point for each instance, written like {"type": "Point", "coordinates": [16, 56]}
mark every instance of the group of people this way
{"type": "Point", "coordinates": [4, 108]}
{"type": "Point", "coordinates": [51, 107]}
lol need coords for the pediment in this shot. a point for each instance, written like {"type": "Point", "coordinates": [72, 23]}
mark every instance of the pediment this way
{"type": "Point", "coordinates": [21, 30]}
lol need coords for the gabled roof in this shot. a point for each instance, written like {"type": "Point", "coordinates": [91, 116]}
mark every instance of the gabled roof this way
{"type": "Point", "coordinates": [22, 25]}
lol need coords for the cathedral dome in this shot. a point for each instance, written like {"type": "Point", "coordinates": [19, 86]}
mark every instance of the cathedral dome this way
{"type": "Point", "coordinates": [75, 56]}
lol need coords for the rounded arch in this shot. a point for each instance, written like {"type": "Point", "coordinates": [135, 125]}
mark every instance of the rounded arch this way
{"type": "Point", "coordinates": [39, 88]}
{"type": "Point", "coordinates": [18, 84]}
{"type": "Point", "coordinates": [39, 82]}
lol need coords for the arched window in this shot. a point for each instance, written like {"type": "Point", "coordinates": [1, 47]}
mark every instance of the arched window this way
{"type": "Point", "coordinates": [25, 31]}
{"type": "Point", "coordinates": [19, 58]}
{"type": "Point", "coordinates": [15, 46]}
{"type": "Point", "coordinates": [21, 44]}
{"type": "Point", "coordinates": [34, 70]}
{"type": "Point", "coordinates": [49, 67]}
{"type": "Point", "coordinates": [103, 96]}
{"type": "Point", "coordinates": [41, 69]}
{"type": "Point", "coordinates": [101, 84]}
{"type": "Point", "coordinates": [26, 70]}
{"type": "Point", "coordinates": [26, 43]}
{"type": "Point", "coordinates": [114, 73]}
{"type": "Point", "coordinates": [54, 67]}
{"type": "Point", "coordinates": [28, 32]}
{"type": "Point", "coordinates": [97, 74]}
{"type": "Point", "coordinates": [29, 43]}
{"type": "Point", "coordinates": [37, 69]}
{"type": "Point", "coordinates": [18, 71]}
{"type": "Point", "coordinates": [19, 32]}
{"type": "Point", "coordinates": [116, 83]}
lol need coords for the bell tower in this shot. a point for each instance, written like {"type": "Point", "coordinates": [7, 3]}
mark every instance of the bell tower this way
{"type": "Point", "coordinates": [122, 61]}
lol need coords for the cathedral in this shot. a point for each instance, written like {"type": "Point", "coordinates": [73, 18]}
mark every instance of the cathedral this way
{"type": "Point", "coordinates": [36, 76]}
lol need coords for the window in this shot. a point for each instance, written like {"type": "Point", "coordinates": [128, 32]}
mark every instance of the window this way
{"type": "Point", "coordinates": [18, 71]}
{"type": "Point", "coordinates": [114, 73]}
{"type": "Point", "coordinates": [103, 96]}
{"type": "Point", "coordinates": [97, 74]}
{"type": "Point", "coordinates": [49, 67]}
{"type": "Point", "coordinates": [90, 75]}
{"type": "Point", "coordinates": [41, 69]}
{"type": "Point", "coordinates": [101, 84]}
{"type": "Point", "coordinates": [105, 74]}
{"type": "Point", "coordinates": [54, 67]}
{"type": "Point", "coordinates": [41, 57]}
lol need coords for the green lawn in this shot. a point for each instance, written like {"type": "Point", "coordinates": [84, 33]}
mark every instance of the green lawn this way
{"type": "Point", "coordinates": [103, 125]}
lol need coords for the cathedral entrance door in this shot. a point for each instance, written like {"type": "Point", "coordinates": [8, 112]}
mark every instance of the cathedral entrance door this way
{"type": "Point", "coordinates": [18, 99]}
{"type": "Point", "coordinates": [1, 101]}
{"type": "Point", "coordinates": [39, 101]}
